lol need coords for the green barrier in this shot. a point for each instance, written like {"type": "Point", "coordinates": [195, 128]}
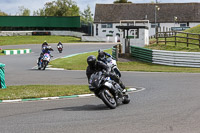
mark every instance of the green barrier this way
{"type": "Point", "coordinates": [2, 76]}
{"type": "Point", "coordinates": [114, 54]}
{"type": "Point", "coordinates": [142, 54]}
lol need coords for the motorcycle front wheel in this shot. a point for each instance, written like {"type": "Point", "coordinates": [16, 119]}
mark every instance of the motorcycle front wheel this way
{"type": "Point", "coordinates": [108, 98]}
{"type": "Point", "coordinates": [45, 63]}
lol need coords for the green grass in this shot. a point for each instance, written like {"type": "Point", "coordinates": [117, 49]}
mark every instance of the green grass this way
{"type": "Point", "coordinates": [1, 52]}
{"type": "Point", "coordinates": [38, 91]}
{"type": "Point", "coordinates": [79, 62]}
{"type": "Point", "coordinates": [149, 67]}
{"type": "Point", "coordinates": [18, 40]}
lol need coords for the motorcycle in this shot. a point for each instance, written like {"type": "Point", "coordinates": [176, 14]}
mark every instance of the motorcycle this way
{"type": "Point", "coordinates": [107, 90]}
{"type": "Point", "coordinates": [60, 48]}
{"type": "Point", "coordinates": [44, 61]}
{"type": "Point", "coordinates": [113, 66]}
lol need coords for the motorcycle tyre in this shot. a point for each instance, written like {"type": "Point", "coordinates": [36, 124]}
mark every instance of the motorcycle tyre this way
{"type": "Point", "coordinates": [117, 72]}
{"type": "Point", "coordinates": [126, 99]}
{"type": "Point", "coordinates": [106, 100]}
{"type": "Point", "coordinates": [45, 65]}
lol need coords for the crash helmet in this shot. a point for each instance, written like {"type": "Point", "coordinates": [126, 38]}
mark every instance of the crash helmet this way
{"type": "Point", "coordinates": [91, 60]}
{"type": "Point", "coordinates": [100, 50]}
{"type": "Point", "coordinates": [101, 54]}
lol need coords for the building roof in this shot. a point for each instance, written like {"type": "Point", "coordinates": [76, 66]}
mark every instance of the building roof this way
{"type": "Point", "coordinates": [113, 13]}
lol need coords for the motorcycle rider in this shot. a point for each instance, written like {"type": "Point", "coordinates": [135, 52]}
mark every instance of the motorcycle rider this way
{"type": "Point", "coordinates": [94, 66]}
{"type": "Point", "coordinates": [102, 56]}
{"type": "Point", "coordinates": [46, 48]}
{"type": "Point", "coordinates": [60, 44]}
{"type": "Point", "coordinates": [44, 44]}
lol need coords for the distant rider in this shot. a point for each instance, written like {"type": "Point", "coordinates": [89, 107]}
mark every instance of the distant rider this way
{"type": "Point", "coordinates": [102, 56]}
{"type": "Point", "coordinates": [60, 44]}
{"type": "Point", "coordinates": [95, 66]}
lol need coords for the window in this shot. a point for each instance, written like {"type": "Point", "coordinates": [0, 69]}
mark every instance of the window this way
{"type": "Point", "coordinates": [153, 25]}
{"type": "Point", "coordinates": [183, 25]}
{"type": "Point", "coordinates": [103, 26]}
{"type": "Point", "coordinates": [109, 25]}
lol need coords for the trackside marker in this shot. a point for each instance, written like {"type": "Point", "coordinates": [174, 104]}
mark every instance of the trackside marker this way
{"type": "Point", "coordinates": [86, 95]}
{"type": "Point", "coordinates": [9, 101]}
{"type": "Point", "coordinates": [132, 89]}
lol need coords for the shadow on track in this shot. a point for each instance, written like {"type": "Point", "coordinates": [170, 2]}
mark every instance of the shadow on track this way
{"type": "Point", "coordinates": [82, 108]}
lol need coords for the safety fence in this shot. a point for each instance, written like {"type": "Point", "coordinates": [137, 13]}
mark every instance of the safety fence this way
{"type": "Point", "coordinates": [171, 58]}
{"type": "Point", "coordinates": [178, 37]}
{"type": "Point", "coordinates": [2, 76]}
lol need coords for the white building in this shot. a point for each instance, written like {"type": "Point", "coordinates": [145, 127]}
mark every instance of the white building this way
{"type": "Point", "coordinates": [167, 16]}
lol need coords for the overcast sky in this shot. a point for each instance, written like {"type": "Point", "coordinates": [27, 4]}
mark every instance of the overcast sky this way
{"type": "Point", "coordinates": [11, 6]}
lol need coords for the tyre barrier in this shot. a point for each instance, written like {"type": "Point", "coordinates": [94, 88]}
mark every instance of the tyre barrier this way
{"type": "Point", "coordinates": [19, 51]}
{"type": "Point", "coordinates": [170, 58]}
{"type": "Point", "coordinates": [2, 76]}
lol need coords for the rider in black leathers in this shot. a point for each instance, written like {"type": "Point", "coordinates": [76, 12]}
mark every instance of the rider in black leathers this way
{"type": "Point", "coordinates": [94, 66]}
{"type": "Point", "coordinates": [102, 56]}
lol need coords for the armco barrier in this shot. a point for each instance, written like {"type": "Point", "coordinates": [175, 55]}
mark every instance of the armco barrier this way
{"type": "Point", "coordinates": [171, 58]}
{"type": "Point", "coordinates": [142, 54]}
{"type": "Point", "coordinates": [2, 76]}
{"type": "Point", "coordinates": [19, 51]}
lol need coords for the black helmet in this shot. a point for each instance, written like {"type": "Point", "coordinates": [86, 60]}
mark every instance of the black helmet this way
{"type": "Point", "coordinates": [91, 60]}
{"type": "Point", "coordinates": [101, 54]}
{"type": "Point", "coordinates": [100, 50]}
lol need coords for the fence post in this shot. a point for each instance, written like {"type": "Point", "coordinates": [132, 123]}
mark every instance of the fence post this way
{"type": "Point", "coordinates": [187, 39]}
{"type": "Point", "coordinates": [199, 40]}
{"type": "Point", "coordinates": [165, 38]}
{"type": "Point", "coordinates": [157, 38]}
{"type": "Point", "coordinates": [175, 38]}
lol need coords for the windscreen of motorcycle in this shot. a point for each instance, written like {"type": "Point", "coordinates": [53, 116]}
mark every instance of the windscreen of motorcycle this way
{"type": "Point", "coordinates": [95, 79]}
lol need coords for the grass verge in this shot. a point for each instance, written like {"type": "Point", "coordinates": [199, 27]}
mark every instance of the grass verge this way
{"type": "Point", "coordinates": [18, 40]}
{"type": "Point", "coordinates": [79, 62]}
{"type": "Point", "coordinates": [38, 91]}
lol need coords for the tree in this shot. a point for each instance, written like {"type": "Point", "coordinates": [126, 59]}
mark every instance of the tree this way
{"type": "Point", "coordinates": [24, 11]}
{"type": "Point", "coordinates": [122, 1]}
{"type": "Point", "coordinates": [3, 13]}
{"type": "Point", "coordinates": [86, 15]}
{"type": "Point", "coordinates": [59, 8]}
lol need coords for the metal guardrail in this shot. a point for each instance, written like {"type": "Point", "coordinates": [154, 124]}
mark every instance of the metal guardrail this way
{"type": "Point", "coordinates": [171, 58]}
{"type": "Point", "coordinates": [141, 54]}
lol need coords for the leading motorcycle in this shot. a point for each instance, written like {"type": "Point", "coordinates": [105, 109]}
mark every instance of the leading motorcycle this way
{"type": "Point", "coordinates": [113, 66]}
{"type": "Point", "coordinates": [107, 90]}
{"type": "Point", "coordinates": [44, 61]}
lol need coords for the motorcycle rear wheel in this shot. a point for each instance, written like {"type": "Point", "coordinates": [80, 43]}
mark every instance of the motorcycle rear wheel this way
{"type": "Point", "coordinates": [108, 98]}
